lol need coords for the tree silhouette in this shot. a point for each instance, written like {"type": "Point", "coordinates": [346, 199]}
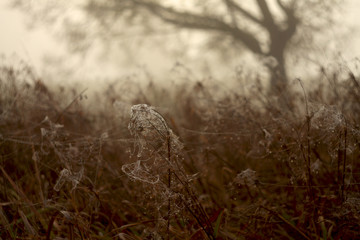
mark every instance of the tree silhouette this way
{"type": "Point", "coordinates": [268, 31]}
{"type": "Point", "coordinates": [230, 18]}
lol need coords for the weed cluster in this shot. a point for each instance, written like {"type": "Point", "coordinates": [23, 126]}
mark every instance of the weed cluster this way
{"type": "Point", "coordinates": [200, 165]}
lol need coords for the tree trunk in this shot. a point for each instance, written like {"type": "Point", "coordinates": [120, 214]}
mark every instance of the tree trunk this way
{"type": "Point", "coordinates": [279, 40]}
{"type": "Point", "coordinates": [278, 78]}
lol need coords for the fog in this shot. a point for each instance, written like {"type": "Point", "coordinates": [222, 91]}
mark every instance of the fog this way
{"type": "Point", "coordinates": [49, 54]}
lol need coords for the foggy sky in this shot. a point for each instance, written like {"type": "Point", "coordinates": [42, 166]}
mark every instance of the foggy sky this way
{"type": "Point", "coordinates": [33, 45]}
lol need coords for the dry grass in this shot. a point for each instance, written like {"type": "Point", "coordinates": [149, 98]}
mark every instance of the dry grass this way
{"type": "Point", "coordinates": [200, 165]}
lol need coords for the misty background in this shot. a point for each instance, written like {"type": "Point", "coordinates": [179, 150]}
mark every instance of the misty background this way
{"type": "Point", "coordinates": [58, 40]}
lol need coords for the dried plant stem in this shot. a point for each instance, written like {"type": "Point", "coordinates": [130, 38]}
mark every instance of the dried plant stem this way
{"type": "Point", "coordinates": [37, 175]}
{"type": "Point", "coordinates": [308, 165]}
{"type": "Point", "coordinates": [69, 105]}
{"type": "Point", "coordinates": [342, 159]}
{"type": "Point", "coordinates": [308, 158]}
{"type": "Point", "coordinates": [197, 211]}
{"type": "Point", "coordinates": [21, 194]}
{"type": "Point", "coordinates": [71, 231]}
{"type": "Point", "coordinates": [169, 183]}
{"type": "Point", "coordinates": [5, 223]}
{"type": "Point", "coordinates": [51, 224]}
{"type": "Point", "coordinates": [299, 231]}
{"type": "Point", "coordinates": [338, 161]}
{"type": "Point", "coordinates": [344, 164]}
{"type": "Point", "coordinates": [29, 228]}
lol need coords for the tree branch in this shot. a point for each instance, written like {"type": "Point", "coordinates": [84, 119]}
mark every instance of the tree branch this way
{"type": "Point", "coordinates": [231, 12]}
{"type": "Point", "coordinates": [268, 19]}
{"type": "Point", "coordinates": [291, 20]}
{"type": "Point", "coordinates": [119, 7]}
{"type": "Point", "coordinates": [245, 13]}
{"type": "Point", "coordinates": [200, 22]}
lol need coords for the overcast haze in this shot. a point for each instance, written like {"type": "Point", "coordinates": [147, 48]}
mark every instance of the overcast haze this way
{"type": "Point", "coordinates": [39, 47]}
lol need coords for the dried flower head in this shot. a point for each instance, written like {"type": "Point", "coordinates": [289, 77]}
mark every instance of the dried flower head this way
{"type": "Point", "coordinates": [247, 177]}
{"type": "Point", "coordinates": [68, 176]}
{"type": "Point", "coordinates": [151, 131]}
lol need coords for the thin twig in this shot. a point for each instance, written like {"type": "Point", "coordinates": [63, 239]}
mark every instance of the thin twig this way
{"type": "Point", "coordinates": [69, 105]}
{"type": "Point", "coordinates": [287, 222]}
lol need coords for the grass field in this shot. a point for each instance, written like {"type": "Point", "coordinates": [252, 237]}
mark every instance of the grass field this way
{"type": "Point", "coordinates": [190, 162]}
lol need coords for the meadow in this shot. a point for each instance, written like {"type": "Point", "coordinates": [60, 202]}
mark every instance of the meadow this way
{"type": "Point", "coordinates": [190, 161]}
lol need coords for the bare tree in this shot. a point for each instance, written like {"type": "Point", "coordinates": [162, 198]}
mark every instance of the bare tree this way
{"type": "Point", "coordinates": [231, 18]}
{"type": "Point", "coordinates": [267, 31]}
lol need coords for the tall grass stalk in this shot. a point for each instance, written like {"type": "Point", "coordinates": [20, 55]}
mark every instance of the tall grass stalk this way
{"type": "Point", "coordinates": [344, 129]}
{"type": "Point", "coordinates": [308, 146]}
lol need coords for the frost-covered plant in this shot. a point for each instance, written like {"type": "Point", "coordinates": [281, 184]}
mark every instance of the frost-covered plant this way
{"type": "Point", "coordinates": [331, 125]}
{"type": "Point", "coordinates": [158, 165]}
{"type": "Point", "coordinates": [67, 175]}
{"type": "Point", "coordinates": [326, 118]}
{"type": "Point", "coordinates": [150, 130]}
{"type": "Point", "coordinates": [70, 154]}
{"type": "Point", "coordinates": [157, 147]}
